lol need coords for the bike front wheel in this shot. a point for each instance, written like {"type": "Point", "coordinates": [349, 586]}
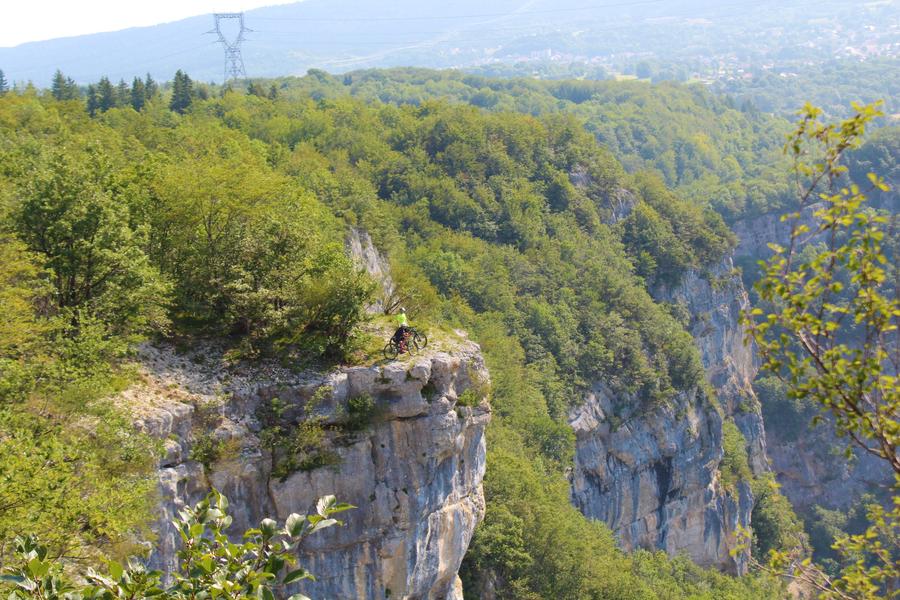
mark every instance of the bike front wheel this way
{"type": "Point", "coordinates": [420, 340]}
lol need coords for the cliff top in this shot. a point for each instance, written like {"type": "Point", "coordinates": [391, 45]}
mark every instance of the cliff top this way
{"type": "Point", "coordinates": [205, 374]}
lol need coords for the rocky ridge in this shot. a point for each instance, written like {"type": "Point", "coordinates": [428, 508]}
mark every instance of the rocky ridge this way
{"type": "Point", "coordinates": [414, 470]}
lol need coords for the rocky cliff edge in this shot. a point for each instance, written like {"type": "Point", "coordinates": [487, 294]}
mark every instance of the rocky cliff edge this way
{"type": "Point", "coordinates": [413, 467]}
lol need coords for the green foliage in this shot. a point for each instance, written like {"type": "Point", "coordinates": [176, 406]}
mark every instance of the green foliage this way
{"type": "Point", "coordinates": [71, 467]}
{"type": "Point", "coordinates": [21, 292]}
{"type": "Point", "coordinates": [713, 153]}
{"type": "Point", "coordinates": [735, 466]}
{"type": "Point", "coordinates": [775, 525]}
{"type": "Point", "coordinates": [497, 223]}
{"type": "Point", "coordinates": [182, 92]}
{"type": "Point", "coordinates": [63, 88]}
{"type": "Point", "coordinates": [826, 527]}
{"type": "Point", "coordinates": [833, 349]}
{"type": "Point", "coordinates": [828, 83]}
{"type": "Point", "coordinates": [209, 564]}
{"type": "Point", "coordinates": [361, 412]}
{"type": "Point", "coordinates": [84, 236]}
{"type": "Point", "coordinates": [784, 415]}
{"type": "Point", "coordinates": [879, 154]}
{"type": "Point", "coordinates": [469, 398]}
{"type": "Point", "coordinates": [138, 94]}
{"type": "Point", "coordinates": [304, 443]}
{"type": "Point", "coordinates": [207, 449]}
{"type": "Point", "coordinates": [252, 254]}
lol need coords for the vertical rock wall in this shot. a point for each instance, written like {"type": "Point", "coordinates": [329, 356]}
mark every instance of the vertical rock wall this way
{"type": "Point", "coordinates": [651, 472]}
{"type": "Point", "coordinates": [414, 473]}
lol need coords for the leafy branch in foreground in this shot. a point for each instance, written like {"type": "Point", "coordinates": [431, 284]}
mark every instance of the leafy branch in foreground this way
{"type": "Point", "coordinates": [831, 333]}
{"type": "Point", "coordinates": [209, 565]}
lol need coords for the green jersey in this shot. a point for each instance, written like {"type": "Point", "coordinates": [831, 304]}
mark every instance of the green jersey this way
{"type": "Point", "coordinates": [401, 319]}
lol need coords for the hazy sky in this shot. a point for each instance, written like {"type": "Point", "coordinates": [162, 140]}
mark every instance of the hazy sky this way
{"type": "Point", "coordinates": [33, 20]}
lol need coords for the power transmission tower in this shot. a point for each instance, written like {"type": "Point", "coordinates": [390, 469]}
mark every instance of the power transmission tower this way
{"type": "Point", "coordinates": [234, 62]}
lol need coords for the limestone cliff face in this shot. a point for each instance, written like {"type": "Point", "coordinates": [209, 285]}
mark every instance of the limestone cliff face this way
{"type": "Point", "coordinates": [755, 234]}
{"type": "Point", "coordinates": [414, 471]}
{"type": "Point", "coordinates": [651, 473]}
{"type": "Point", "coordinates": [714, 300]}
{"type": "Point", "coordinates": [367, 257]}
{"type": "Point", "coordinates": [653, 477]}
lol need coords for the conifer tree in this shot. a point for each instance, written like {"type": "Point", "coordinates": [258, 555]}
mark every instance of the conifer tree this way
{"type": "Point", "coordinates": [123, 94]}
{"type": "Point", "coordinates": [138, 94]}
{"type": "Point", "coordinates": [4, 85]}
{"type": "Point", "coordinates": [106, 95]}
{"type": "Point", "coordinates": [72, 91]}
{"type": "Point", "coordinates": [93, 102]}
{"type": "Point", "coordinates": [63, 88]}
{"type": "Point", "coordinates": [182, 96]}
{"type": "Point", "coordinates": [58, 87]}
{"type": "Point", "coordinates": [150, 88]}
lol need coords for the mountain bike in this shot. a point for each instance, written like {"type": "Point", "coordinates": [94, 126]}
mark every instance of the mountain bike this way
{"type": "Point", "coordinates": [412, 342]}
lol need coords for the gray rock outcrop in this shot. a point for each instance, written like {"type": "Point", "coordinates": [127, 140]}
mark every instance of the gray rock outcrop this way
{"type": "Point", "coordinates": [651, 472]}
{"type": "Point", "coordinates": [715, 300]}
{"type": "Point", "coordinates": [653, 477]}
{"type": "Point", "coordinates": [367, 257]}
{"type": "Point", "coordinates": [414, 472]}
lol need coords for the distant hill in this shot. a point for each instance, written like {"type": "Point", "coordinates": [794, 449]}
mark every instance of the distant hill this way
{"type": "Point", "coordinates": [644, 37]}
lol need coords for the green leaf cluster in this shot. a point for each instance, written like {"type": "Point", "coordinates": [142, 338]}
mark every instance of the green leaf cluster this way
{"type": "Point", "coordinates": [210, 565]}
{"type": "Point", "coordinates": [830, 334]}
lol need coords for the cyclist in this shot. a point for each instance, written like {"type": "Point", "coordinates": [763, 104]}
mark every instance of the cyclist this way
{"type": "Point", "coordinates": [402, 328]}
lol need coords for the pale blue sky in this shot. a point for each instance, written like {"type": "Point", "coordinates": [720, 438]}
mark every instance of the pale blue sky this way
{"type": "Point", "coordinates": [33, 20]}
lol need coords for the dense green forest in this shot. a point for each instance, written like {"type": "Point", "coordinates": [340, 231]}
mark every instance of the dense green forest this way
{"type": "Point", "coordinates": [713, 153]}
{"type": "Point", "coordinates": [224, 214]}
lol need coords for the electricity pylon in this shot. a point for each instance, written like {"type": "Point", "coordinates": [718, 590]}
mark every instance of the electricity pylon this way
{"type": "Point", "coordinates": [234, 62]}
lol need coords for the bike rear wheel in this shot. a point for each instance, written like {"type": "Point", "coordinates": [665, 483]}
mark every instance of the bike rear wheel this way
{"type": "Point", "coordinates": [390, 350]}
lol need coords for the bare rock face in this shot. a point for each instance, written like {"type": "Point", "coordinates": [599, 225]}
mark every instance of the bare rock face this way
{"type": "Point", "coordinates": [714, 300]}
{"type": "Point", "coordinates": [755, 234]}
{"type": "Point", "coordinates": [414, 472]}
{"type": "Point", "coordinates": [810, 467]}
{"type": "Point", "coordinates": [368, 258]}
{"type": "Point", "coordinates": [652, 472]}
{"type": "Point", "coordinates": [653, 477]}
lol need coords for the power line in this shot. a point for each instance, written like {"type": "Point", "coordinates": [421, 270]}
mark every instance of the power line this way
{"type": "Point", "coordinates": [467, 34]}
{"type": "Point", "coordinates": [469, 16]}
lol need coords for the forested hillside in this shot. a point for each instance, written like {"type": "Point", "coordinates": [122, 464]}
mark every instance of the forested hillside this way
{"type": "Point", "coordinates": [715, 154]}
{"type": "Point", "coordinates": [226, 217]}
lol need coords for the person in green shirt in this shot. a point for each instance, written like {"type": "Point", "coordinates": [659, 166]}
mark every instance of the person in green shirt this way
{"type": "Point", "coordinates": [402, 327]}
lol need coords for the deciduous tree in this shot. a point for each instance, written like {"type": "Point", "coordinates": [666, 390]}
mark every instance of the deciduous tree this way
{"type": "Point", "coordinates": [832, 335]}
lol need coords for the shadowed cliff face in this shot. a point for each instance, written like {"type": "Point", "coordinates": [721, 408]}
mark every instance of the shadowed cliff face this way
{"type": "Point", "coordinates": [651, 472]}
{"type": "Point", "coordinates": [653, 477]}
{"type": "Point", "coordinates": [414, 470]}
